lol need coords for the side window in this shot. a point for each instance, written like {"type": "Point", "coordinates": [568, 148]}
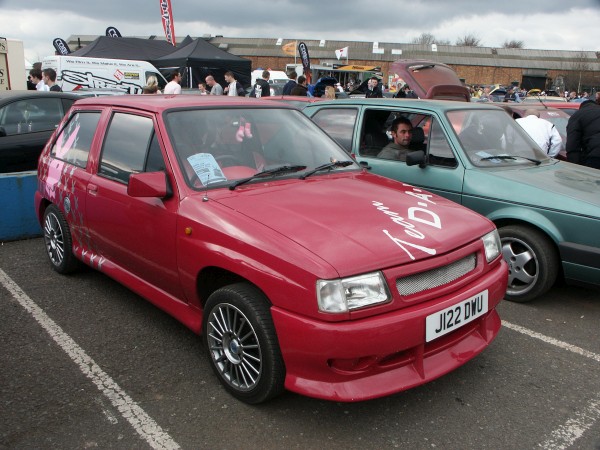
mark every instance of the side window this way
{"type": "Point", "coordinates": [374, 136]}
{"type": "Point", "coordinates": [75, 140]}
{"type": "Point", "coordinates": [440, 152]}
{"type": "Point", "coordinates": [339, 124]}
{"type": "Point", "coordinates": [30, 115]}
{"type": "Point", "coordinates": [125, 146]}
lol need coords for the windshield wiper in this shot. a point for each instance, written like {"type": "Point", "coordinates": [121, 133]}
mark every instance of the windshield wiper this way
{"type": "Point", "coordinates": [488, 158]}
{"type": "Point", "coordinates": [267, 172]}
{"type": "Point", "coordinates": [328, 166]}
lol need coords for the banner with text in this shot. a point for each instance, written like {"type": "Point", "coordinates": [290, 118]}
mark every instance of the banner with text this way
{"type": "Point", "coordinates": [62, 48]}
{"type": "Point", "coordinates": [303, 51]}
{"type": "Point", "coordinates": [166, 13]}
{"type": "Point", "coordinates": [112, 32]}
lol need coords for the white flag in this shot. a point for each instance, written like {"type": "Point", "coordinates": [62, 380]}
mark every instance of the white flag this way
{"type": "Point", "coordinates": [342, 53]}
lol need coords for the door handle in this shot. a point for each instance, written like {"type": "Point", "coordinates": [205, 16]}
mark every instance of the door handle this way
{"type": "Point", "coordinates": [92, 189]}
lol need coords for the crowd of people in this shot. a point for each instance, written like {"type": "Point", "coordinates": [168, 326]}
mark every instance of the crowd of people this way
{"type": "Point", "coordinates": [296, 85]}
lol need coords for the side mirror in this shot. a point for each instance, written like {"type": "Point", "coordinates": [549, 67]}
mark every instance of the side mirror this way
{"type": "Point", "coordinates": [149, 184]}
{"type": "Point", "coordinates": [416, 157]}
{"type": "Point", "coordinates": [2, 132]}
{"type": "Point", "coordinates": [364, 165]}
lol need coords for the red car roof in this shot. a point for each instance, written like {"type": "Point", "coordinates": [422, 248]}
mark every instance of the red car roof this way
{"type": "Point", "coordinates": [164, 102]}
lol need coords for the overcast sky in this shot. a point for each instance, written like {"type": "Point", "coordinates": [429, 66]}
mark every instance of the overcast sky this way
{"type": "Point", "coordinates": [540, 24]}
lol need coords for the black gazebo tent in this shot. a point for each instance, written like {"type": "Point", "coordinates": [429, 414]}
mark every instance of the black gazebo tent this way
{"type": "Point", "coordinates": [125, 48]}
{"type": "Point", "coordinates": [200, 58]}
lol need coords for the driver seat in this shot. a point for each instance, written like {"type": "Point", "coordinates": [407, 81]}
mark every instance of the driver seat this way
{"type": "Point", "coordinates": [374, 140]}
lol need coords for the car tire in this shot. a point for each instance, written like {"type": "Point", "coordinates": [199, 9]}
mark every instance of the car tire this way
{"type": "Point", "coordinates": [532, 262]}
{"type": "Point", "coordinates": [242, 344]}
{"type": "Point", "coordinates": [59, 244]}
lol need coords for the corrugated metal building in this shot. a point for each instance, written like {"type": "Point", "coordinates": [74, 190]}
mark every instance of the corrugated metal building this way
{"type": "Point", "coordinates": [475, 65]}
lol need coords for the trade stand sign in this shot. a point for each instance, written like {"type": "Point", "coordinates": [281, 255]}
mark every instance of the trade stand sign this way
{"type": "Point", "coordinates": [4, 79]}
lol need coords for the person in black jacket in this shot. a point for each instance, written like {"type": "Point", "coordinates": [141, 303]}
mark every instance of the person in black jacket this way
{"type": "Point", "coordinates": [49, 76]}
{"type": "Point", "coordinates": [373, 88]}
{"type": "Point", "coordinates": [261, 87]}
{"type": "Point", "coordinates": [300, 88]}
{"type": "Point", "coordinates": [583, 135]}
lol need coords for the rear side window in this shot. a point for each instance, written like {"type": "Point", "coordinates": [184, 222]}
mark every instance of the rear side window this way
{"type": "Point", "coordinates": [125, 146]}
{"type": "Point", "coordinates": [339, 124]}
{"type": "Point", "coordinates": [75, 140]}
{"type": "Point", "coordinates": [31, 115]}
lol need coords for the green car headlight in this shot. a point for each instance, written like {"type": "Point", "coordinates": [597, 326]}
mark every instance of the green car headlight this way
{"type": "Point", "coordinates": [346, 294]}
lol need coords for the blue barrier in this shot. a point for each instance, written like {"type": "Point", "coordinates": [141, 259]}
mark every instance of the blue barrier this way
{"type": "Point", "coordinates": [17, 215]}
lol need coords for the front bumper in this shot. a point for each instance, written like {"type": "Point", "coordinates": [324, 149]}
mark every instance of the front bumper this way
{"type": "Point", "coordinates": [381, 355]}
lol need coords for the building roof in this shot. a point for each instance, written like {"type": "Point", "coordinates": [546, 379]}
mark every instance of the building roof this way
{"type": "Point", "coordinates": [324, 50]}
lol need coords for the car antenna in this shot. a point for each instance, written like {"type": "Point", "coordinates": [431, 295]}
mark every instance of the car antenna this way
{"type": "Point", "coordinates": [205, 198]}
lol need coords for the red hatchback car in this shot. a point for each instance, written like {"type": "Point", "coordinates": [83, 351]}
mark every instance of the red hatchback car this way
{"type": "Point", "coordinates": [246, 222]}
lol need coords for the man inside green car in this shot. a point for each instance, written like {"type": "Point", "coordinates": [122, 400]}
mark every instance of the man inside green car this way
{"type": "Point", "coordinates": [402, 133]}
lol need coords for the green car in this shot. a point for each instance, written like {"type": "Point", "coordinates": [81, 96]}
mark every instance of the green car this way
{"type": "Point", "coordinates": [547, 211]}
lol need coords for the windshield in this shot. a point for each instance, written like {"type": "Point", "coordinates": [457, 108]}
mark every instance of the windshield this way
{"type": "Point", "coordinates": [218, 147]}
{"type": "Point", "coordinates": [484, 134]}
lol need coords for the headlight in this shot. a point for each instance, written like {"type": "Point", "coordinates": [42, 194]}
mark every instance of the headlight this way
{"type": "Point", "coordinates": [336, 296]}
{"type": "Point", "coordinates": [491, 243]}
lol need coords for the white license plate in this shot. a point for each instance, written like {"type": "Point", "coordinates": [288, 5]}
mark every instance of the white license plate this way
{"type": "Point", "coordinates": [449, 319]}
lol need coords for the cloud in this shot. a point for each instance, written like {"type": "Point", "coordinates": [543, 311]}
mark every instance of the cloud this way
{"type": "Point", "coordinates": [540, 24]}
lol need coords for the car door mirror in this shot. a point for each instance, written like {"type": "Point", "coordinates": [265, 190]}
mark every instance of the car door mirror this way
{"type": "Point", "coordinates": [416, 157]}
{"type": "Point", "coordinates": [149, 184]}
{"type": "Point", "coordinates": [2, 132]}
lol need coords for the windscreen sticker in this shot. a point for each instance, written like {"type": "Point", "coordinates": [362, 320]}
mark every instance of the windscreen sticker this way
{"type": "Point", "coordinates": [206, 168]}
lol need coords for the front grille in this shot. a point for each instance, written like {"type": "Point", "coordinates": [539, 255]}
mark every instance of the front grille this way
{"type": "Point", "coordinates": [436, 277]}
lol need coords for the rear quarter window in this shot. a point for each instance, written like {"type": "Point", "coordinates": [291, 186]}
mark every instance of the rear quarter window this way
{"type": "Point", "coordinates": [75, 140]}
{"type": "Point", "coordinates": [31, 115]}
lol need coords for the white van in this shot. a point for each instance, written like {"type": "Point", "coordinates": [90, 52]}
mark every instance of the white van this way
{"type": "Point", "coordinates": [77, 72]}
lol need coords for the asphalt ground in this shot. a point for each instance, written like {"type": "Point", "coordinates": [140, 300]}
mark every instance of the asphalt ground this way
{"type": "Point", "coordinates": [86, 363]}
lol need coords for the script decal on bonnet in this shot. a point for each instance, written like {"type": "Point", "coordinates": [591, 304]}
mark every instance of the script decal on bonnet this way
{"type": "Point", "coordinates": [415, 215]}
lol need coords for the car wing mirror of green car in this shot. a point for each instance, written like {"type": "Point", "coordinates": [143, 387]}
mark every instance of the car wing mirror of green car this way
{"type": "Point", "coordinates": [416, 157]}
